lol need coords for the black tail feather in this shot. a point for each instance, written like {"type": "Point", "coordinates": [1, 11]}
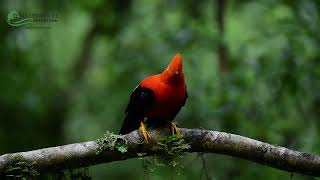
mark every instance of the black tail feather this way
{"type": "Point", "coordinates": [130, 123]}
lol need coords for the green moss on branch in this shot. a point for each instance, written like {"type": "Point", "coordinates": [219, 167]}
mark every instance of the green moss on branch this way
{"type": "Point", "coordinates": [112, 141]}
{"type": "Point", "coordinates": [169, 150]}
{"type": "Point", "coordinates": [20, 168]}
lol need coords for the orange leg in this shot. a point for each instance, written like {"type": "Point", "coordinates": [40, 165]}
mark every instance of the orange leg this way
{"type": "Point", "coordinates": [174, 129]}
{"type": "Point", "coordinates": [144, 132]}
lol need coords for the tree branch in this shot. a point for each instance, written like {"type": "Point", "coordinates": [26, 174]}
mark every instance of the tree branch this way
{"type": "Point", "coordinates": [84, 154]}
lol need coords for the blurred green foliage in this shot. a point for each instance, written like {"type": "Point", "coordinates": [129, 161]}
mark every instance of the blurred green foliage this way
{"type": "Point", "coordinates": [71, 82]}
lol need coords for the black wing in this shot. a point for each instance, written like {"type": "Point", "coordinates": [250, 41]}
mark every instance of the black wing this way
{"type": "Point", "coordinates": [140, 102]}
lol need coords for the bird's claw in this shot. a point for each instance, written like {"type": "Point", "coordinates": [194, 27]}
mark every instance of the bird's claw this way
{"type": "Point", "coordinates": [174, 130]}
{"type": "Point", "coordinates": [144, 132]}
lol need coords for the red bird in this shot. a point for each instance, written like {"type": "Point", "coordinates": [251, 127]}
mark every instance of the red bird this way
{"type": "Point", "coordinates": [157, 100]}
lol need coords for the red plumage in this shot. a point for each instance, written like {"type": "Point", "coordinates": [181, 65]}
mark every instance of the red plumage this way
{"type": "Point", "coordinates": [158, 98]}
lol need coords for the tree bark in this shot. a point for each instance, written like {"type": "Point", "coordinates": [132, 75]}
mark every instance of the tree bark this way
{"type": "Point", "coordinates": [84, 154]}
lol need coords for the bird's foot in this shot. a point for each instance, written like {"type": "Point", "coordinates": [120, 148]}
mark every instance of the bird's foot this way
{"type": "Point", "coordinates": [144, 132]}
{"type": "Point", "coordinates": [174, 130]}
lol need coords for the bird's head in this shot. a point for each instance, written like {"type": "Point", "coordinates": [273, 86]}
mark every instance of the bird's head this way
{"type": "Point", "coordinates": [174, 72]}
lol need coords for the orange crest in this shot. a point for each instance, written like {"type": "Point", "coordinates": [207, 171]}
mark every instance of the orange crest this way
{"type": "Point", "coordinates": [175, 65]}
{"type": "Point", "coordinates": [174, 71]}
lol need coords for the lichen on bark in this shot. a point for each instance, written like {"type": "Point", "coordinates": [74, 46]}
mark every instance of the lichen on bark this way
{"type": "Point", "coordinates": [112, 141]}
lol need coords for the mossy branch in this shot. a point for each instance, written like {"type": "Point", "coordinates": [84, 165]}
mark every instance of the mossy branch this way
{"type": "Point", "coordinates": [129, 146]}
